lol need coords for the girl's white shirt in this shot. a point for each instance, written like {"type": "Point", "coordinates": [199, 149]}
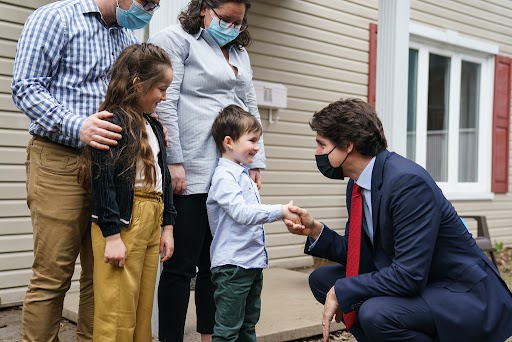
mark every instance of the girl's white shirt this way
{"type": "Point", "coordinates": [139, 175]}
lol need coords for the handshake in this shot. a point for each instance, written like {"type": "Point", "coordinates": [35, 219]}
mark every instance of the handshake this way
{"type": "Point", "coordinates": [300, 222]}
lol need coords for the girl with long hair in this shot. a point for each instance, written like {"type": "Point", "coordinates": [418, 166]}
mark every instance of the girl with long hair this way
{"type": "Point", "coordinates": [132, 197]}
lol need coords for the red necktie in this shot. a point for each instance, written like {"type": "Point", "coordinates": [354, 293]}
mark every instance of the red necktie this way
{"type": "Point", "coordinates": [354, 245]}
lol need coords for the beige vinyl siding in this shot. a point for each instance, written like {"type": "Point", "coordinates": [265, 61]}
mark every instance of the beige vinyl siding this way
{"type": "Point", "coordinates": [16, 244]}
{"type": "Point", "coordinates": [319, 50]}
{"type": "Point", "coordinates": [488, 21]}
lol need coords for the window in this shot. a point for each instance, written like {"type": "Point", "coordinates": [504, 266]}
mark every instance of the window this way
{"type": "Point", "coordinates": [449, 116]}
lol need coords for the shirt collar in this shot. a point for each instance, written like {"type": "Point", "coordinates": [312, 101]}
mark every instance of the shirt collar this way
{"type": "Point", "coordinates": [89, 6]}
{"type": "Point", "coordinates": [239, 168]}
{"type": "Point", "coordinates": [198, 33]}
{"type": "Point", "coordinates": [365, 178]}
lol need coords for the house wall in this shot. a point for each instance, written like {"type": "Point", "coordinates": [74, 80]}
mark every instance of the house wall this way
{"type": "Point", "coordinates": [319, 50]}
{"type": "Point", "coordinates": [15, 229]}
{"type": "Point", "coordinates": [487, 21]}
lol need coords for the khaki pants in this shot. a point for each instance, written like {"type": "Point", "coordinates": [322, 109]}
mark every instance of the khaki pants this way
{"type": "Point", "coordinates": [124, 296]}
{"type": "Point", "coordinates": [60, 210]}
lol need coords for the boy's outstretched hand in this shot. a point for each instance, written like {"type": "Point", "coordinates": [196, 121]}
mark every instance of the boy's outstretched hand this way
{"type": "Point", "coordinates": [308, 226]}
{"type": "Point", "coordinates": [167, 243]}
{"type": "Point", "coordinates": [289, 216]}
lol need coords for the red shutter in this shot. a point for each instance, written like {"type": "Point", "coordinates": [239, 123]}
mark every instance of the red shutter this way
{"type": "Point", "coordinates": [501, 124]}
{"type": "Point", "coordinates": [372, 65]}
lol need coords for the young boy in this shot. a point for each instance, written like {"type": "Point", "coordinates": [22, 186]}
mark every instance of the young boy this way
{"type": "Point", "coordinates": [236, 217]}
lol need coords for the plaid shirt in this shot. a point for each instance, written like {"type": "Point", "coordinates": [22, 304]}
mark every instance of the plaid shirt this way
{"type": "Point", "coordinates": [62, 67]}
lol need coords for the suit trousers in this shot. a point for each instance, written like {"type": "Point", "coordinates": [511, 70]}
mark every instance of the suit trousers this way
{"type": "Point", "coordinates": [124, 295]}
{"type": "Point", "coordinates": [60, 211]}
{"type": "Point", "coordinates": [192, 240]}
{"type": "Point", "coordinates": [383, 318]}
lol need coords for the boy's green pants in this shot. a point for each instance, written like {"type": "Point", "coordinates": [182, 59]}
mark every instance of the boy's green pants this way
{"type": "Point", "coordinates": [238, 303]}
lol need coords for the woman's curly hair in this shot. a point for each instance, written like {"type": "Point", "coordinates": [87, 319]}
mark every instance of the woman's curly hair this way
{"type": "Point", "coordinates": [191, 19]}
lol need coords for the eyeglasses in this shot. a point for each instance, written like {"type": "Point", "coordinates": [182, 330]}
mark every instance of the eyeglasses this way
{"type": "Point", "coordinates": [238, 26]}
{"type": "Point", "coordinates": [150, 6]}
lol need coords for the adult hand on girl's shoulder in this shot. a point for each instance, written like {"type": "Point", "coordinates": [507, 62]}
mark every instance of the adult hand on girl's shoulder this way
{"type": "Point", "coordinates": [99, 133]}
{"type": "Point", "coordinates": [167, 243]}
{"type": "Point", "coordinates": [179, 182]}
{"type": "Point", "coordinates": [256, 177]}
{"type": "Point", "coordinates": [115, 250]}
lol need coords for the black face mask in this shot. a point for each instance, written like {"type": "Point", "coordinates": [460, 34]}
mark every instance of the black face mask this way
{"type": "Point", "coordinates": [325, 167]}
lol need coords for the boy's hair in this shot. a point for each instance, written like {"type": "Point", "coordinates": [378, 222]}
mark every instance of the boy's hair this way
{"type": "Point", "coordinates": [233, 121]}
{"type": "Point", "coordinates": [351, 121]}
{"type": "Point", "coordinates": [146, 63]}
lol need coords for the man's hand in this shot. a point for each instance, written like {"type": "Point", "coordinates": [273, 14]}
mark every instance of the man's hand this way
{"type": "Point", "coordinates": [167, 243]}
{"type": "Point", "coordinates": [99, 133]}
{"type": "Point", "coordinates": [115, 250]}
{"type": "Point", "coordinates": [331, 308]}
{"type": "Point", "coordinates": [179, 182]}
{"type": "Point", "coordinates": [308, 227]}
{"type": "Point", "coordinates": [256, 177]}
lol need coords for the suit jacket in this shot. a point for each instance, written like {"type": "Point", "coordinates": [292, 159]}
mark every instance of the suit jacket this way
{"type": "Point", "coordinates": [421, 248]}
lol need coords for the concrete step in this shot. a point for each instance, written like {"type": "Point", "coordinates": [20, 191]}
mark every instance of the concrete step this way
{"type": "Point", "coordinates": [288, 309]}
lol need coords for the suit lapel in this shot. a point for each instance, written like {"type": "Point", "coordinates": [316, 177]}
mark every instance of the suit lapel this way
{"type": "Point", "coordinates": [378, 169]}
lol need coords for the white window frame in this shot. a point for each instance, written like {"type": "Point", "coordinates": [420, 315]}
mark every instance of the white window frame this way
{"type": "Point", "coordinates": [449, 44]}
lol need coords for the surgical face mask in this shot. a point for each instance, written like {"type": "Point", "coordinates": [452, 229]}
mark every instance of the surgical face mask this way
{"type": "Point", "coordinates": [134, 18]}
{"type": "Point", "coordinates": [325, 167]}
{"type": "Point", "coordinates": [222, 36]}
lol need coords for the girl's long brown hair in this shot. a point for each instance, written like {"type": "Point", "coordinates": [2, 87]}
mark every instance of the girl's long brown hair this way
{"type": "Point", "coordinates": [147, 63]}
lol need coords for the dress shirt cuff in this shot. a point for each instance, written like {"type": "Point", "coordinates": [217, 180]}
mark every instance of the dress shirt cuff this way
{"type": "Point", "coordinates": [71, 125]}
{"type": "Point", "coordinates": [276, 212]}
{"type": "Point", "coordinates": [258, 163]}
{"type": "Point", "coordinates": [174, 156]}
{"type": "Point", "coordinates": [312, 243]}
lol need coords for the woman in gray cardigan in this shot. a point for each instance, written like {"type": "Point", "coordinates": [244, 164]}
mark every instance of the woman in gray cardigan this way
{"type": "Point", "coordinates": [211, 70]}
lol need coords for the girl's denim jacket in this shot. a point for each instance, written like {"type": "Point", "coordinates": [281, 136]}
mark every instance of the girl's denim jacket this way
{"type": "Point", "coordinates": [113, 184]}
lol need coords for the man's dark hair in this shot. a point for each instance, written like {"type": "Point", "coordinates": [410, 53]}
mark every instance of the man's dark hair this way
{"type": "Point", "coordinates": [351, 121]}
{"type": "Point", "coordinates": [233, 121]}
{"type": "Point", "coordinates": [191, 19]}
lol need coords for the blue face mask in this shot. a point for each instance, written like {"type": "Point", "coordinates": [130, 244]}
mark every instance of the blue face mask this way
{"type": "Point", "coordinates": [134, 18]}
{"type": "Point", "coordinates": [222, 36]}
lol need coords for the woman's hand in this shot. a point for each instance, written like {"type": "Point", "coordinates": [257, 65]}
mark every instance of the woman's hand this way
{"type": "Point", "coordinates": [115, 250]}
{"type": "Point", "coordinates": [308, 227]}
{"type": "Point", "coordinates": [179, 182]}
{"type": "Point", "coordinates": [167, 243]}
{"type": "Point", "coordinates": [256, 177]}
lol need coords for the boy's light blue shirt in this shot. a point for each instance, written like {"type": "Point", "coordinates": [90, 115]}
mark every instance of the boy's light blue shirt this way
{"type": "Point", "coordinates": [236, 218]}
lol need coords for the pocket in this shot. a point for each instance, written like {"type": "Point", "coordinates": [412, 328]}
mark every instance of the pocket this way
{"type": "Point", "coordinates": [59, 164]}
{"type": "Point", "coordinates": [468, 279]}
{"type": "Point", "coordinates": [136, 212]}
{"type": "Point", "coordinates": [27, 169]}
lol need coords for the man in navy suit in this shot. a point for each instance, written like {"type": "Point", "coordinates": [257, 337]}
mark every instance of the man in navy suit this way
{"type": "Point", "coordinates": [421, 276]}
